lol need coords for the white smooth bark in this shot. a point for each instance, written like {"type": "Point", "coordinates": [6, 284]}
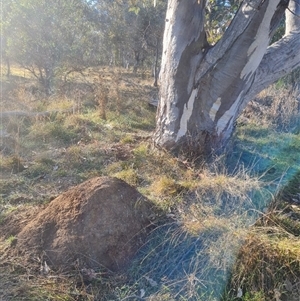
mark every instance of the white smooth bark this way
{"type": "Point", "coordinates": [292, 16]}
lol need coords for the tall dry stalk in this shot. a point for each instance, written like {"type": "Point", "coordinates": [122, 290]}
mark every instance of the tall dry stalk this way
{"type": "Point", "coordinates": [101, 96]}
{"type": "Point", "coordinates": [116, 82]}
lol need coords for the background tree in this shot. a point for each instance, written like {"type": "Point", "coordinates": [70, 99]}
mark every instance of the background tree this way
{"type": "Point", "coordinates": [48, 37]}
{"type": "Point", "coordinates": [205, 87]}
{"type": "Point", "coordinates": [131, 31]}
{"type": "Point", "coordinates": [146, 33]}
{"type": "Point", "coordinates": [5, 29]}
{"type": "Point", "coordinates": [54, 37]}
{"type": "Point", "coordinates": [219, 14]}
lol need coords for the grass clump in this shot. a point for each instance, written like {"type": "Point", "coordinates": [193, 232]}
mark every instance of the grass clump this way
{"type": "Point", "coordinates": [11, 240]}
{"type": "Point", "coordinates": [11, 164]}
{"type": "Point", "coordinates": [51, 131]}
{"type": "Point", "coordinates": [38, 170]}
{"type": "Point", "coordinates": [165, 186]}
{"type": "Point", "coordinates": [127, 139]}
{"type": "Point", "coordinates": [267, 265]}
{"type": "Point", "coordinates": [128, 175]}
{"type": "Point", "coordinates": [141, 151]}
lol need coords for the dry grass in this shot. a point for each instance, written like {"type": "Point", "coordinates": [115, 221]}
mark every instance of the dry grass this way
{"type": "Point", "coordinates": [104, 128]}
{"type": "Point", "coordinates": [268, 264]}
{"type": "Point", "coordinates": [275, 107]}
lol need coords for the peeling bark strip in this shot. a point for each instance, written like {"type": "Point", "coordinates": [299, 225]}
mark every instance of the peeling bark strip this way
{"type": "Point", "coordinates": [186, 115]}
{"type": "Point", "coordinates": [204, 88]}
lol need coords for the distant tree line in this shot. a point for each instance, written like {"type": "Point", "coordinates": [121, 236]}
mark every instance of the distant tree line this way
{"type": "Point", "coordinates": [52, 38]}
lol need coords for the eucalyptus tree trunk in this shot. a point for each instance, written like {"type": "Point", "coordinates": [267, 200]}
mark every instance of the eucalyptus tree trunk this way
{"type": "Point", "coordinates": [204, 88]}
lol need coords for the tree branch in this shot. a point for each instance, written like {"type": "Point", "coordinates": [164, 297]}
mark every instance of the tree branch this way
{"type": "Point", "coordinates": [240, 23]}
{"type": "Point", "coordinates": [298, 16]}
{"type": "Point", "coordinates": [275, 22]}
{"type": "Point", "coordinates": [280, 59]}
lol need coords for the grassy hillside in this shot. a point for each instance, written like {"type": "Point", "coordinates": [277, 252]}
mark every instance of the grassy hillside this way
{"type": "Point", "coordinates": [228, 228]}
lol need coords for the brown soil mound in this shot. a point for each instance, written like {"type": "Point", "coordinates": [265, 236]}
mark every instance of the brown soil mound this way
{"type": "Point", "coordinates": [100, 222]}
